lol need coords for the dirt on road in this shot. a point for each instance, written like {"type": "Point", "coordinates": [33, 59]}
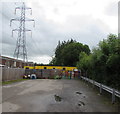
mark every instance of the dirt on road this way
{"type": "Point", "coordinates": [45, 95]}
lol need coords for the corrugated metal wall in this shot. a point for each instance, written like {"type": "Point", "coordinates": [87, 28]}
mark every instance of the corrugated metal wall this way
{"type": "Point", "coordinates": [44, 73]}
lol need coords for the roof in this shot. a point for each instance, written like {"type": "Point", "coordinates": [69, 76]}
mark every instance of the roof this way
{"type": "Point", "coordinates": [13, 59]}
{"type": "Point", "coordinates": [9, 58]}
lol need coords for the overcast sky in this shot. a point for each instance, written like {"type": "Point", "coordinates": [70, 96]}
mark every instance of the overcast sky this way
{"type": "Point", "coordinates": [86, 21]}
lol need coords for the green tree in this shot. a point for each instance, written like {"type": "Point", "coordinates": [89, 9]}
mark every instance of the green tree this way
{"type": "Point", "coordinates": [67, 53]}
{"type": "Point", "coordinates": [84, 63]}
{"type": "Point", "coordinates": [103, 64]}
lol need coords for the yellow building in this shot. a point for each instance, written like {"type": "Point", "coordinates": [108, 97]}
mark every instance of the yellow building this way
{"type": "Point", "coordinates": [51, 67]}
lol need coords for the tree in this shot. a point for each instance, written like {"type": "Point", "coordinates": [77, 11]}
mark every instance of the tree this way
{"type": "Point", "coordinates": [53, 61]}
{"type": "Point", "coordinates": [84, 63]}
{"type": "Point", "coordinates": [103, 64]}
{"type": "Point", "coordinates": [67, 53]}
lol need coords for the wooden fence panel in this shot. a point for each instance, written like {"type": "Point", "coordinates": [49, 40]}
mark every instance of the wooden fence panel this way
{"type": "Point", "coordinates": [12, 73]}
{"type": "Point", "coordinates": [0, 74]}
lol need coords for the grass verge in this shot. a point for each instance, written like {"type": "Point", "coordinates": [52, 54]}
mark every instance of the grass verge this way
{"type": "Point", "coordinates": [12, 81]}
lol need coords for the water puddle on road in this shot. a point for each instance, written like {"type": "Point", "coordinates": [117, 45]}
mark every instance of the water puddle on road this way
{"type": "Point", "coordinates": [79, 93]}
{"type": "Point", "coordinates": [58, 98]}
{"type": "Point", "coordinates": [81, 103]}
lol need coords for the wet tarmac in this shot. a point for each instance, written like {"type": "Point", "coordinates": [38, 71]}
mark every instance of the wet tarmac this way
{"type": "Point", "coordinates": [45, 95]}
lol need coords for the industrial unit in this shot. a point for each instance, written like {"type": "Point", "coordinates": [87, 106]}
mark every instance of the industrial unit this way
{"type": "Point", "coordinates": [13, 63]}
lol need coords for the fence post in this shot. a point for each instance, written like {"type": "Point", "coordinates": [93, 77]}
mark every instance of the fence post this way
{"type": "Point", "coordinates": [113, 96]}
{"type": "Point", "coordinates": [87, 79]}
{"type": "Point", "coordinates": [100, 88]}
{"type": "Point", "coordinates": [93, 83]}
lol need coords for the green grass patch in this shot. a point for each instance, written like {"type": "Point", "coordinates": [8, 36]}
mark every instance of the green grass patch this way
{"type": "Point", "coordinates": [12, 81]}
{"type": "Point", "coordinates": [57, 77]}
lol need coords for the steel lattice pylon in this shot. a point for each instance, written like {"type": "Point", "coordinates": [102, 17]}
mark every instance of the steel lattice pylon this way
{"type": "Point", "coordinates": [20, 50]}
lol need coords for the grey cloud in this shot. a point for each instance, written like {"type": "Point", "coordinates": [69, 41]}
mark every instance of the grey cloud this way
{"type": "Point", "coordinates": [112, 9]}
{"type": "Point", "coordinates": [47, 33]}
{"type": "Point", "coordinates": [56, 10]}
{"type": "Point", "coordinates": [87, 29]}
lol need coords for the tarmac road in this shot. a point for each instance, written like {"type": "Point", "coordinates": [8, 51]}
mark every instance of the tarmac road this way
{"type": "Point", "coordinates": [45, 95]}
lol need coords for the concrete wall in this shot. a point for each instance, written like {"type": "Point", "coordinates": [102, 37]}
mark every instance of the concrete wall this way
{"type": "Point", "coordinates": [12, 73]}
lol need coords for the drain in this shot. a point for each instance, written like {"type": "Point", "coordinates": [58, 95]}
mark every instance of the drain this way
{"type": "Point", "coordinates": [57, 98]}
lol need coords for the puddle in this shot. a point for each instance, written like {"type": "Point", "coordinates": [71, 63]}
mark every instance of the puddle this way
{"type": "Point", "coordinates": [57, 98]}
{"type": "Point", "coordinates": [77, 92]}
{"type": "Point", "coordinates": [81, 103]}
{"type": "Point", "coordinates": [84, 96]}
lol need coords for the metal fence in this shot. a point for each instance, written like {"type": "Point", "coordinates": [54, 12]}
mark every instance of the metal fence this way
{"type": "Point", "coordinates": [104, 87]}
{"type": "Point", "coordinates": [9, 74]}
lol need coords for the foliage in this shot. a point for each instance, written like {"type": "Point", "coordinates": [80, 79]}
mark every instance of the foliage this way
{"type": "Point", "coordinates": [103, 64]}
{"type": "Point", "coordinates": [84, 62]}
{"type": "Point", "coordinates": [67, 53]}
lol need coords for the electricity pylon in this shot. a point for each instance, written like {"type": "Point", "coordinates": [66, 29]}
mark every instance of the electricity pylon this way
{"type": "Point", "coordinates": [20, 50]}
